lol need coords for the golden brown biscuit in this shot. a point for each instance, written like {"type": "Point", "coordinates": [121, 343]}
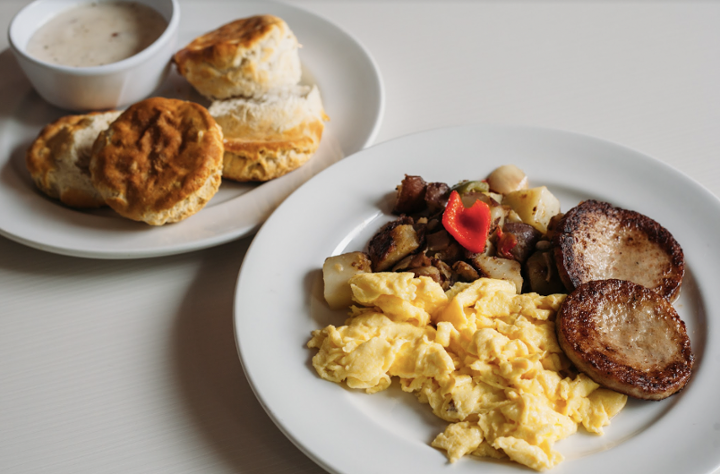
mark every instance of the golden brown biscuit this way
{"type": "Point", "coordinates": [269, 136]}
{"type": "Point", "coordinates": [247, 57]}
{"type": "Point", "coordinates": [59, 157]}
{"type": "Point", "coordinates": [159, 162]}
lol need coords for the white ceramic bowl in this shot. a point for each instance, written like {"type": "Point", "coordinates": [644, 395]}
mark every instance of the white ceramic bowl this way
{"type": "Point", "coordinates": [108, 86]}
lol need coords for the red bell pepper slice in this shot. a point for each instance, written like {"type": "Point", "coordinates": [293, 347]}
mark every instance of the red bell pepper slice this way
{"type": "Point", "coordinates": [505, 243]}
{"type": "Point", "coordinates": [470, 226]}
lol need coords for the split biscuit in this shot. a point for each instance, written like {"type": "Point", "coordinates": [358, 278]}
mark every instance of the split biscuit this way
{"type": "Point", "coordinates": [59, 158]}
{"type": "Point", "coordinates": [246, 57]}
{"type": "Point", "coordinates": [269, 136]}
{"type": "Point", "coordinates": [159, 162]}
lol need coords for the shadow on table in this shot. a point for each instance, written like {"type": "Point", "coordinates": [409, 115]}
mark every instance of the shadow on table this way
{"type": "Point", "coordinates": [219, 398]}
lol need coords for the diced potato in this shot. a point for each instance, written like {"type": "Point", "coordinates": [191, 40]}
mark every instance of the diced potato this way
{"type": "Point", "coordinates": [512, 216]}
{"type": "Point", "coordinates": [498, 214]}
{"type": "Point", "coordinates": [535, 206]}
{"type": "Point", "coordinates": [337, 271]}
{"type": "Point", "coordinates": [499, 268]}
{"type": "Point", "coordinates": [389, 247]}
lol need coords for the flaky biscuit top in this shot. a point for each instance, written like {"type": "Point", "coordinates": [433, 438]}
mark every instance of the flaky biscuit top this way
{"type": "Point", "coordinates": [224, 46]}
{"type": "Point", "coordinates": [244, 58]}
{"type": "Point", "coordinates": [155, 155]}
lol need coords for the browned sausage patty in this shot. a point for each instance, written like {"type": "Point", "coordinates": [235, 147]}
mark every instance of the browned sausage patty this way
{"type": "Point", "coordinates": [596, 241]}
{"type": "Point", "coordinates": [626, 338]}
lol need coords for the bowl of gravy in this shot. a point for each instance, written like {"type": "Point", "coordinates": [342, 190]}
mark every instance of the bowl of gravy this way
{"type": "Point", "coordinates": [95, 55]}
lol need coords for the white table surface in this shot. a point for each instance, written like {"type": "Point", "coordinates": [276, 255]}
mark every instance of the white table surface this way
{"type": "Point", "coordinates": [130, 366]}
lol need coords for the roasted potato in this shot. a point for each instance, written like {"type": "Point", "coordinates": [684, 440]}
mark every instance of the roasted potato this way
{"type": "Point", "coordinates": [337, 271]}
{"type": "Point", "coordinates": [535, 206]}
{"type": "Point", "coordinates": [499, 268]}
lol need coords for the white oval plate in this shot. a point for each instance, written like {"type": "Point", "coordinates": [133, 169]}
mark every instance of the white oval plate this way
{"type": "Point", "coordinates": [352, 92]}
{"type": "Point", "coordinates": [279, 301]}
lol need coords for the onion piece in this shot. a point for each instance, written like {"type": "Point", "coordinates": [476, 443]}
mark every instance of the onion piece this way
{"type": "Point", "coordinates": [506, 179]}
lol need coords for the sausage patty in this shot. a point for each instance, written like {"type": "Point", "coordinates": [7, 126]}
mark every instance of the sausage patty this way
{"type": "Point", "coordinates": [596, 241]}
{"type": "Point", "coordinates": [626, 338]}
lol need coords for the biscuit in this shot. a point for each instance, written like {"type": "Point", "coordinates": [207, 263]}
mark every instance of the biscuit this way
{"type": "Point", "coordinates": [269, 136]}
{"type": "Point", "coordinates": [246, 57]}
{"type": "Point", "coordinates": [159, 162]}
{"type": "Point", "coordinates": [59, 157]}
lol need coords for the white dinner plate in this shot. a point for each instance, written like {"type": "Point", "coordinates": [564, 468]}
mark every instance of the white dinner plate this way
{"type": "Point", "coordinates": [352, 93]}
{"type": "Point", "coordinates": [279, 302]}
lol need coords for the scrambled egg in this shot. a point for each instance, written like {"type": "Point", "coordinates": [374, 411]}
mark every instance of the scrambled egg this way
{"type": "Point", "coordinates": [483, 357]}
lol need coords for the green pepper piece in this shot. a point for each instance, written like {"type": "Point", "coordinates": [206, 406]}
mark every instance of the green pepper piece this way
{"type": "Point", "coordinates": [465, 187]}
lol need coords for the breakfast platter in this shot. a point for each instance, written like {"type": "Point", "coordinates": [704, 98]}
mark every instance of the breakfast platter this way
{"type": "Point", "coordinates": [331, 59]}
{"type": "Point", "coordinates": [329, 421]}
